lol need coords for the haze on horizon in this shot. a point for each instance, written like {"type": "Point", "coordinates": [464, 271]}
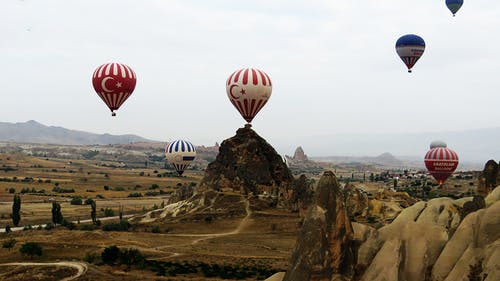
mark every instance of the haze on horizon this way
{"type": "Point", "coordinates": [333, 66]}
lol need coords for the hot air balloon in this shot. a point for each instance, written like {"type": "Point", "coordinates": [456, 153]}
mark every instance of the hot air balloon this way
{"type": "Point", "coordinates": [114, 83]}
{"type": "Point", "coordinates": [440, 161]}
{"type": "Point", "coordinates": [180, 154]}
{"type": "Point", "coordinates": [454, 5]}
{"type": "Point", "coordinates": [410, 48]}
{"type": "Point", "coordinates": [249, 90]}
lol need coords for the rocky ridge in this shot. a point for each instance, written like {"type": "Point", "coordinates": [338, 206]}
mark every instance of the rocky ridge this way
{"type": "Point", "coordinates": [246, 163]}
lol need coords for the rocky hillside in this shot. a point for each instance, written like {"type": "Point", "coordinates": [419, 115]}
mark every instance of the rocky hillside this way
{"type": "Point", "coordinates": [248, 164]}
{"type": "Point", "coordinates": [439, 240]}
{"type": "Point", "coordinates": [34, 132]}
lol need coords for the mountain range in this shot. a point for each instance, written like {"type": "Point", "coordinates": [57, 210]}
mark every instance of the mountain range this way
{"type": "Point", "coordinates": [34, 132]}
{"type": "Point", "coordinates": [473, 146]}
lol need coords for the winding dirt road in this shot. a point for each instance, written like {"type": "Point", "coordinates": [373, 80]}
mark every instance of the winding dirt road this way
{"type": "Point", "coordinates": [80, 267]}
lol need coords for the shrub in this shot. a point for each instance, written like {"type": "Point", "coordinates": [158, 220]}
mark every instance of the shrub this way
{"type": "Point", "coordinates": [135, 194]}
{"type": "Point", "coordinates": [110, 255]}
{"type": "Point", "coordinates": [88, 227]}
{"type": "Point", "coordinates": [68, 224]}
{"type": "Point", "coordinates": [130, 257]}
{"type": "Point", "coordinates": [108, 212]}
{"type": "Point", "coordinates": [49, 226]}
{"type": "Point", "coordinates": [106, 187]}
{"type": "Point", "coordinates": [156, 229]}
{"type": "Point", "coordinates": [12, 190]}
{"type": "Point", "coordinates": [90, 257]}
{"type": "Point", "coordinates": [58, 189]}
{"type": "Point", "coordinates": [9, 244]}
{"type": "Point", "coordinates": [122, 225]}
{"type": "Point", "coordinates": [31, 249]}
{"type": "Point", "coordinates": [88, 201]}
{"type": "Point", "coordinates": [77, 200]}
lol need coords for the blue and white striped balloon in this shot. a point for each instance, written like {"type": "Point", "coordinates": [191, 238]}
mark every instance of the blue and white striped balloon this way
{"type": "Point", "coordinates": [180, 154]}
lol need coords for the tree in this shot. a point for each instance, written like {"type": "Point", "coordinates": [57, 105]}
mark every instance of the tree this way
{"type": "Point", "coordinates": [110, 255]}
{"type": "Point", "coordinates": [7, 229]}
{"type": "Point", "coordinates": [93, 211]}
{"type": "Point", "coordinates": [120, 211]}
{"type": "Point", "coordinates": [31, 249]}
{"type": "Point", "coordinates": [57, 216]}
{"type": "Point", "coordinates": [130, 257]}
{"type": "Point", "coordinates": [16, 210]}
{"type": "Point", "coordinates": [9, 244]}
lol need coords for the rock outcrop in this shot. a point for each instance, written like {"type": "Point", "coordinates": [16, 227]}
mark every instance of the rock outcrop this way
{"type": "Point", "coordinates": [356, 201]}
{"type": "Point", "coordinates": [324, 248]}
{"type": "Point", "coordinates": [299, 155]}
{"type": "Point", "coordinates": [489, 178]}
{"type": "Point", "coordinates": [246, 163]}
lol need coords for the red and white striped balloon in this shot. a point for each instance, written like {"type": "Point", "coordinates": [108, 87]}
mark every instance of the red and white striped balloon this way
{"type": "Point", "coordinates": [249, 89]}
{"type": "Point", "coordinates": [441, 161]}
{"type": "Point", "coordinates": [114, 83]}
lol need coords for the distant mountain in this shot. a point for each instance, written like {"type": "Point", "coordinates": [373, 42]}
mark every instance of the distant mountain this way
{"type": "Point", "coordinates": [34, 132]}
{"type": "Point", "coordinates": [476, 146]}
{"type": "Point", "coordinates": [384, 159]}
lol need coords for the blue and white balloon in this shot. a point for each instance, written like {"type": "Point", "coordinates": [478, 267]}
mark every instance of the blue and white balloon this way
{"type": "Point", "coordinates": [410, 48]}
{"type": "Point", "coordinates": [180, 154]}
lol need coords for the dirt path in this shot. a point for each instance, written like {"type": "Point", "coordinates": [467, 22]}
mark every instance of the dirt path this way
{"type": "Point", "coordinates": [80, 267]}
{"type": "Point", "coordinates": [243, 223]}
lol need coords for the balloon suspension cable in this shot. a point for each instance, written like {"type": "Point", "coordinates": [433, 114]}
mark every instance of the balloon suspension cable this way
{"type": "Point", "coordinates": [113, 113]}
{"type": "Point", "coordinates": [248, 126]}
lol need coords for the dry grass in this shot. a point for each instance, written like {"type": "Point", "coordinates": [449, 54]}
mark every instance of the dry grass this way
{"type": "Point", "coordinates": [268, 236]}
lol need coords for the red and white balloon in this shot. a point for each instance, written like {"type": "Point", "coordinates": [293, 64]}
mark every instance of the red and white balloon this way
{"type": "Point", "coordinates": [440, 161]}
{"type": "Point", "coordinates": [249, 89]}
{"type": "Point", "coordinates": [114, 83]}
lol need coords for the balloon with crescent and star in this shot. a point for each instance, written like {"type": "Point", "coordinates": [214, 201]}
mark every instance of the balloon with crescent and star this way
{"type": "Point", "coordinates": [114, 83]}
{"type": "Point", "coordinates": [249, 89]}
{"type": "Point", "coordinates": [410, 48]}
{"type": "Point", "coordinates": [180, 153]}
{"type": "Point", "coordinates": [440, 161]}
{"type": "Point", "coordinates": [454, 5]}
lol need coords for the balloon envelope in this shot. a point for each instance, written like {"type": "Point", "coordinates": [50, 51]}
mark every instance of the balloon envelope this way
{"type": "Point", "coordinates": [410, 48]}
{"type": "Point", "coordinates": [454, 5]}
{"type": "Point", "coordinates": [441, 162]}
{"type": "Point", "coordinates": [180, 154]}
{"type": "Point", "coordinates": [114, 83]}
{"type": "Point", "coordinates": [249, 90]}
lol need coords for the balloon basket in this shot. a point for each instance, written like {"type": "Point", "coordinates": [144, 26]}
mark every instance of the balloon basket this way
{"type": "Point", "coordinates": [113, 114]}
{"type": "Point", "coordinates": [409, 70]}
{"type": "Point", "coordinates": [248, 126]}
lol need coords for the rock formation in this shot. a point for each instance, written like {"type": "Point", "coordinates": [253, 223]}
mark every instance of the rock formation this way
{"type": "Point", "coordinates": [356, 201]}
{"type": "Point", "coordinates": [299, 155]}
{"type": "Point", "coordinates": [489, 178]}
{"type": "Point", "coordinates": [246, 163]}
{"type": "Point", "coordinates": [324, 248]}
{"type": "Point", "coordinates": [439, 240]}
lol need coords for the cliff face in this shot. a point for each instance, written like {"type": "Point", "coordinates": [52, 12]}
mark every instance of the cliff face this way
{"type": "Point", "coordinates": [247, 163]}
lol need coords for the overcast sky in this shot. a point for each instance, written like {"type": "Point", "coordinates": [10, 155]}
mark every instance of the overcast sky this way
{"type": "Point", "coordinates": [333, 65]}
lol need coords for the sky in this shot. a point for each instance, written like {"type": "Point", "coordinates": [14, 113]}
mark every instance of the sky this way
{"type": "Point", "coordinates": [333, 65]}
